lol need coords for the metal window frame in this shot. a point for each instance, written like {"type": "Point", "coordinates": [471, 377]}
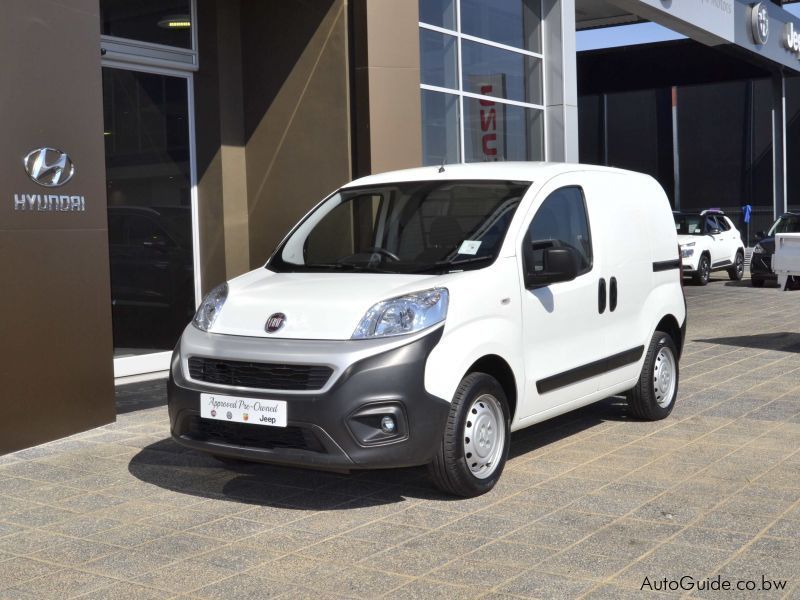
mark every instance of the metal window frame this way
{"type": "Point", "coordinates": [157, 59]}
{"type": "Point", "coordinates": [459, 35]}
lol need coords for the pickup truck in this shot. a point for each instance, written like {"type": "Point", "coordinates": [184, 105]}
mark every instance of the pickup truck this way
{"type": "Point", "coordinates": [786, 262]}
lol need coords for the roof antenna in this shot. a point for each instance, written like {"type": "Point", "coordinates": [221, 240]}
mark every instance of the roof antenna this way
{"type": "Point", "coordinates": [444, 162]}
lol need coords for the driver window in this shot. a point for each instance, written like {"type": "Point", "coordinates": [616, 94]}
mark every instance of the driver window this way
{"type": "Point", "coordinates": [349, 228]}
{"type": "Point", "coordinates": [561, 221]}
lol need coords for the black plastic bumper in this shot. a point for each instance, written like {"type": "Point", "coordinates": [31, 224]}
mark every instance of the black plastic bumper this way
{"type": "Point", "coordinates": [761, 267]}
{"type": "Point", "coordinates": [338, 429]}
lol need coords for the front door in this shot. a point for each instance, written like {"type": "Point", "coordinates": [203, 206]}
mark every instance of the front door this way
{"type": "Point", "coordinates": [149, 193]}
{"type": "Point", "coordinates": [562, 329]}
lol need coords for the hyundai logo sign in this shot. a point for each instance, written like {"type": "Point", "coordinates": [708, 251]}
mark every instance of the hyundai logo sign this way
{"type": "Point", "coordinates": [275, 322]}
{"type": "Point", "coordinates": [49, 167]}
{"type": "Point", "coordinates": [759, 23]}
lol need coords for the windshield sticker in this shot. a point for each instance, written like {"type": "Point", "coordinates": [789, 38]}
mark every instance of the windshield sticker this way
{"type": "Point", "coordinates": [469, 247]}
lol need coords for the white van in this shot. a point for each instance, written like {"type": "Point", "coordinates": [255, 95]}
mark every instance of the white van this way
{"type": "Point", "coordinates": [421, 316]}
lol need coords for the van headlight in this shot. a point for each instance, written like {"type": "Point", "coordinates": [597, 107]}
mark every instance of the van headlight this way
{"type": "Point", "coordinates": [687, 250]}
{"type": "Point", "coordinates": [759, 249]}
{"type": "Point", "coordinates": [405, 314]}
{"type": "Point", "coordinates": [210, 307]}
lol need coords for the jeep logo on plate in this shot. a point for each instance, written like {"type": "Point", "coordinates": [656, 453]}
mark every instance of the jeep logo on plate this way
{"type": "Point", "coordinates": [275, 322]}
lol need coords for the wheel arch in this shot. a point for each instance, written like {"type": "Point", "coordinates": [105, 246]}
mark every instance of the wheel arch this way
{"type": "Point", "coordinates": [669, 324]}
{"type": "Point", "coordinates": [497, 367]}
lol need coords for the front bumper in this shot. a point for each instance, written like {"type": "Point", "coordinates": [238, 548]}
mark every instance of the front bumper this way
{"type": "Point", "coordinates": [337, 427]}
{"type": "Point", "coordinates": [761, 267]}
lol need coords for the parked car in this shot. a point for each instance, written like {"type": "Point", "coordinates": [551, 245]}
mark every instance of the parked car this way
{"type": "Point", "coordinates": [419, 317]}
{"type": "Point", "coordinates": [709, 242]}
{"type": "Point", "coordinates": [150, 253]}
{"type": "Point", "coordinates": [761, 262]}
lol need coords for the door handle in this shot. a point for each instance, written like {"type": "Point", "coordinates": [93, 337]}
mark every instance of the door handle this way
{"type": "Point", "coordinates": [613, 295]}
{"type": "Point", "coordinates": [601, 296]}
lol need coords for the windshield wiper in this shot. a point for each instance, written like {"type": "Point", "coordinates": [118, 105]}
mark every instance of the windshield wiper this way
{"type": "Point", "coordinates": [451, 264]}
{"type": "Point", "coordinates": [346, 267]}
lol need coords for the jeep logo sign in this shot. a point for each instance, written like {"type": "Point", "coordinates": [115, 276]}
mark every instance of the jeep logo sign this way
{"type": "Point", "coordinates": [792, 39]}
{"type": "Point", "coordinates": [49, 167]}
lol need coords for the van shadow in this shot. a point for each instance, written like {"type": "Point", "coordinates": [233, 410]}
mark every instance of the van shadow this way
{"type": "Point", "coordinates": [785, 341]}
{"type": "Point", "coordinates": [175, 468]}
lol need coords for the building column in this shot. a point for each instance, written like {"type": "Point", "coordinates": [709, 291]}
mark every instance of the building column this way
{"type": "Point", "coordinates": [386, 93]}
{"type": "Point", "coordinates": [561, 91]}
{"type": "Point", "coordinates": [779, 143]}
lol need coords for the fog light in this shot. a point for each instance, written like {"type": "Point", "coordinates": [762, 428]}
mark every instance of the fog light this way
{"type": "Point", "coordinates": [388, 425]}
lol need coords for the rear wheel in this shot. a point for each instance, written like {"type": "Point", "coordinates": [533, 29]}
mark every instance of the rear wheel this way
{"type": "Point", "coordinates": [654, 396]}
{"type": "Point", "coordinates": [474, 447]}
{"type": "Point", "coordinates": [703, 270]}
{"type": "Point", "coordinates": [736, 272]}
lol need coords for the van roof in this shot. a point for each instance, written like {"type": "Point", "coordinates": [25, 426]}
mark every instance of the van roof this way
{"type": "Point", "coordinates": [501, 171]}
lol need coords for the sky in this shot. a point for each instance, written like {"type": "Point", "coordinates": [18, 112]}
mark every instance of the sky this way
{"type": "Point", "coordinates": [640, 33]}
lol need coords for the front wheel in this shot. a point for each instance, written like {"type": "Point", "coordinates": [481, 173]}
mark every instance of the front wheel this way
{"type": "Point", "coordinates": [474, 447]}
{"type": "Point", "coordinates": [736, 272]}
{"type": "Point", "coordinates": [703, 272]}
{"type": "Point", "coordinates": [654, 396]}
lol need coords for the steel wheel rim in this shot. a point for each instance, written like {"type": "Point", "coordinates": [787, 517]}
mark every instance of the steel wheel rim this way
{"type": "Point", "coordinates": [664, 377]}
{"type": "Point", "coordinates": [739, 265]}
{"type": "Point", "coordinates": [484, 436]}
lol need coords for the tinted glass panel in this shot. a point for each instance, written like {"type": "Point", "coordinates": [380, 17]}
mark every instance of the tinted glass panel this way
{"type": "Point", "coordinates": [405, 227]}
{"type": "Point", "coordinates": [165, 22]}
{"type": "Point", "coordinates": [494, 72]}
{"type": "Point", "coordinates": [149, 198]}
{"type": "Point", "coordinates": [441, 13]}
{"type": "Point", "coordinates": [512, 22]}
{"type": "Point", "coordinates": [496, 131]}
{"type": "Point", "coordinates": [439, 128]}
{"type": "Point", "coordinates": [438, 58]}
{"type": "Point", "coordinates": [560, 222]}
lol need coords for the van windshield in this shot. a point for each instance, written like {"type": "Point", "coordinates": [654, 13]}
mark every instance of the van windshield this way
{"type": "Point", "coordinates": [409, 227]}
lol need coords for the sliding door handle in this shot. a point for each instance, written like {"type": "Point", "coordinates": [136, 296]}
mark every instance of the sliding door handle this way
{"type": "Point", "coordinates": [613, 295]}
{"type": "Point", "coordinates": [601, 296]}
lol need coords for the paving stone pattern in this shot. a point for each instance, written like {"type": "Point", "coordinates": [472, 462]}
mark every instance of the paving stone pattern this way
{"type": "Point", "coordinates": [590, 504]}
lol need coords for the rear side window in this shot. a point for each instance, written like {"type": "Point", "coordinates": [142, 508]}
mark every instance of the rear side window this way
{"type": "Point", "coordinates": [560, 222]}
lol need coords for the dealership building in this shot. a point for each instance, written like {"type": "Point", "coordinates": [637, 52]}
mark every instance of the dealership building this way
{"type": "Point", "coordinates": [155, 148]}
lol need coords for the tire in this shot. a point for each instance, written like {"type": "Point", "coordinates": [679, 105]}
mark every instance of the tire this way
{"type": "Point", "coordinates": [736, 272]}
{"type": "Point", "coordinates": [703, 272]}
{"type": "Point", "coordinates": [463, 464]}
{"type": "Point", "coordinates": [654, 396]}
{"type": "Point", "coordinates": [757, 282]}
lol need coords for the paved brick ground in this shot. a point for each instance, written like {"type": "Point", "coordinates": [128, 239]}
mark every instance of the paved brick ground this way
{"type": "Point", "coordinates": [590, 504]}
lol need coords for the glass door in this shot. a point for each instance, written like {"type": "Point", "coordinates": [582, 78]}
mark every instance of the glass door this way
{"type": "Point", "coordinates": [149, 177]}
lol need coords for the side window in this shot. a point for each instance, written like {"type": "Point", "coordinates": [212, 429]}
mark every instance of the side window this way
{"type": "Point", "coordinates": [711, 224]}
{"type": "Point", "coordinates": [560, 222]}
{"type": "Point", "coordinates": [724, 224]}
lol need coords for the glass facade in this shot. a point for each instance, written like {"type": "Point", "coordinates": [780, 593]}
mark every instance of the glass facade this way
{"type": "Point", "coordinates": [482, 80]}
{"type": "Point", "coordinates": [165, 22]}
{"type": "Point", "coordinates": [148, 180]}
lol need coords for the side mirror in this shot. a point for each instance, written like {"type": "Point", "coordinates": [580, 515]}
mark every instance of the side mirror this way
{"type": "Point", "coordinates": [559, 264]}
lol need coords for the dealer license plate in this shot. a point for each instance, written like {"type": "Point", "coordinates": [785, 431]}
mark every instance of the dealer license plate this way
{"type": "Point", "coordinates": [255, 411]}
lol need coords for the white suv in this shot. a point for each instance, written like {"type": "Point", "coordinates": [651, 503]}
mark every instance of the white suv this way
{"type": "Point", "coordinates": [709, 242]}
{"type": "Point", "coordinates": [419, 317]}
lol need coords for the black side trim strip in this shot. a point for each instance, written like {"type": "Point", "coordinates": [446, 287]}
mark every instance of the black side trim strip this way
{"type": "Point", "coordinates": [593, 369]}
{"type": "Point", "coordinates": [721, 263]}
{"type": "Point", "coordinates": [666, 265]}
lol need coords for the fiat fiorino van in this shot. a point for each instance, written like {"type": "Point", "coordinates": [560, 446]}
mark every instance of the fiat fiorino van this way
{"type": "Point", "coordinates": [419, 317]}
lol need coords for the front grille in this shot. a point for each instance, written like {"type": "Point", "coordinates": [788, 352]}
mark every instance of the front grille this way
{"type": "Point", "coordinates": [253, 436]}
{"type": "Point", "coordinates": [268, 376]}
{"type": "Point", "coordinates": [761, 263]}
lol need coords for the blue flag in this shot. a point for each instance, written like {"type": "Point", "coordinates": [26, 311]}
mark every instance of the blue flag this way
{"type": "Point", "coordinates": [747, 210]}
